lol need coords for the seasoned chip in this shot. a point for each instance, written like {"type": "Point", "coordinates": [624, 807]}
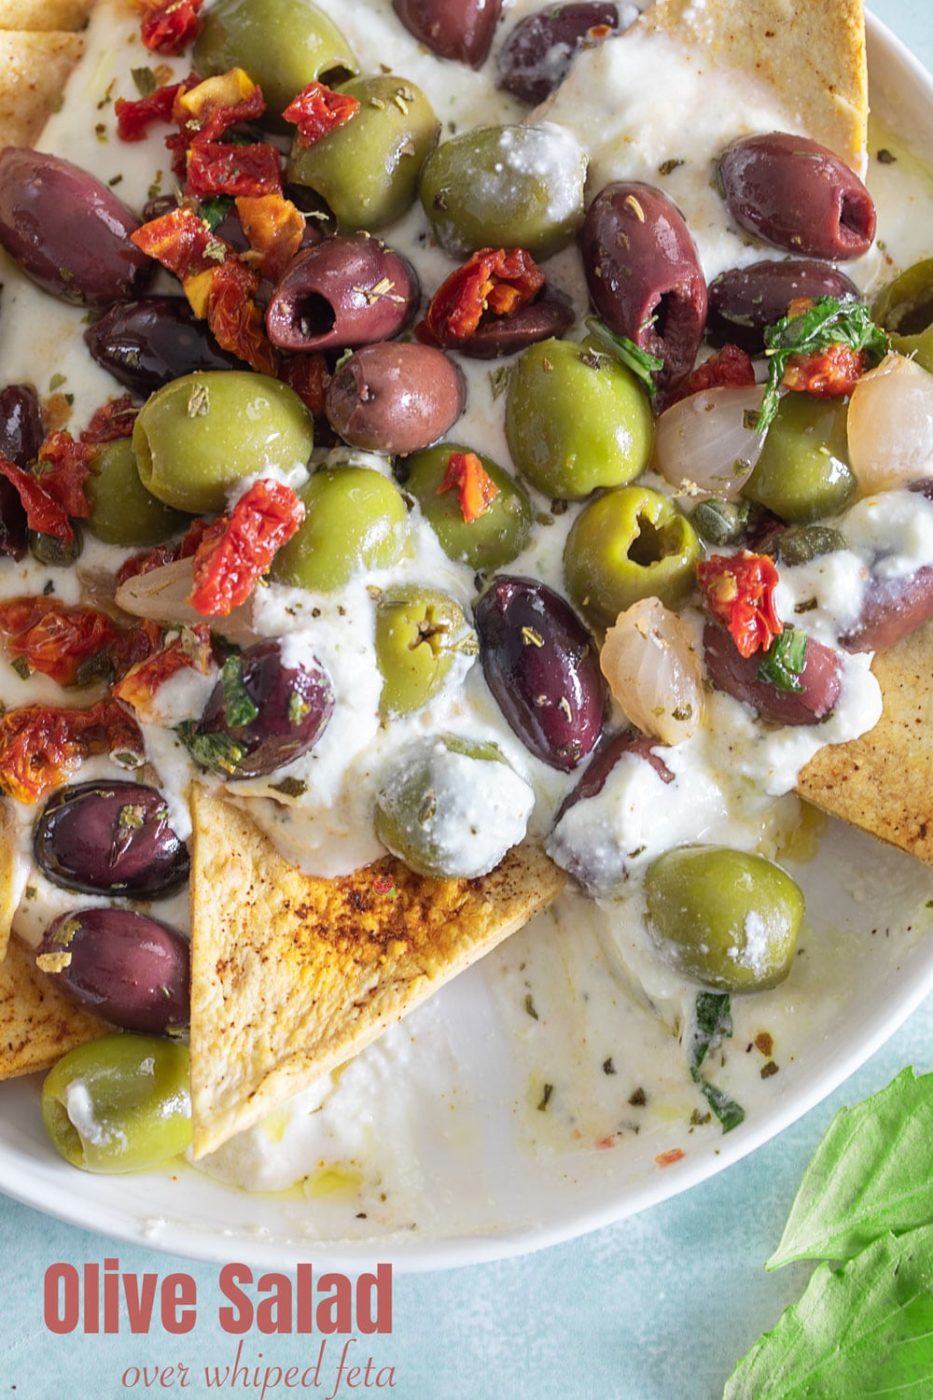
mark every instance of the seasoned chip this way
{"type": "Point", "coordinates": [44, 14]}
{"type": "Point", "coordinates": [33, 71]}
{"type": "Point", "coordinates": [13, 871]}
{"type": "Point", "coordinates": [37, 1024]}
{"type": "Point", "coordinates": [292, 975]}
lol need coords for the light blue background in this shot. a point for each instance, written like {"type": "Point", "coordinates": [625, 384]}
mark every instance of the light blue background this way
{"type": "Point", "coordinates": [656, 1308]}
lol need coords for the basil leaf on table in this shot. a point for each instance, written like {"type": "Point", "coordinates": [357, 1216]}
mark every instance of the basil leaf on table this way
{"type": "Point", "coordinates": [866, 1330]}
{"type": "Point", "coordinates": [871, 1174]}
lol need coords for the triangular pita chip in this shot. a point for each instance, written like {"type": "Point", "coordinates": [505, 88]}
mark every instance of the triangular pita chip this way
{"type": "Point", "coordinates": [37, 1024]}
{"type": "Point", "coordinates": [44, 14]}
{"type": "Point", "coordinates": [813, 55]}
{"type": "Point", "coordinates": [883, 782]}
{"type": "Point", "coordinates": [33, 71]}
{"type": "Point", "coordinates": [292, 976]}
{"type": "Point", "coordinates": [13, 875]}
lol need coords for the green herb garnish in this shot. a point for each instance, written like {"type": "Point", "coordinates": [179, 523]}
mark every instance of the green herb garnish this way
{"type": "Point", "coordinates": [290, 787]}
{"type": "Point", "coordinates": [214, 210]}
{"type": "Point", "coordinates": [829, 321]}
{"type": "Point", "coordinates": [145, 81]}
{"type": "Point", "coordinates": [712, 1023]}
{"type": "Point", "coordinates": [783, 663]}
{"type": "Point", "coordinates": [239, 708]}
{"type": "Point", "coordinates": [219, 753]}
{"type": "Point", "coordinates": [642, 364]}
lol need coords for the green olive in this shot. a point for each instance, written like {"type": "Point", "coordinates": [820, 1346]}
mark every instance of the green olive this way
{"type": "Point", "coordinates": [494, 538]}
{"type": "Point", "coordinates": [629, 544]}
{"type": "Point", "coordinates": [419, 632]}
{"type": "Point", "coordinates": [366, 171]}
{"type": "Point", "coordinates": [906, 304]}
{"type": "Point", "coordinates": [450, 808]}
{"type": "Point", "coordinates": [119, 1104]}
{"type": "Point", "coordinates": [576, 420]}
{"type": "Point", "coordinates": [199, 434]}
{"type": "Point", "coordinates": [356, 519]}
{"type": "Point", "coordinates": [919, 346]}
{"type": "Point", "coordinates": [803, 472]}
{"type": "Point", "coordinates": [725, 918]}
{"type": "Point", "coordinates": [505, 187]}
{"type": "Point", "coordinates": [122, 510]}
{"type": "Point", "coordinates": [282, 44]}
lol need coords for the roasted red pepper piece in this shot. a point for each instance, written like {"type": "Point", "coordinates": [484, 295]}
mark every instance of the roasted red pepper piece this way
{"type": "Point", "coordinates": [475, 488]}
{"type": "Point", "coordinates": [169, 26]}
{"type": "Point", "coordinates": [317, 110]}
{"type": "Point", "coordinates": [729, 366]}
{"type": "Point", "coordinates": [275, 228]}
{"type": "Point", "coordinates": [235, 319]}
{"type": "Point", "coordinates": [59, 641]}
{"type": "Point", "coordinates": [238, 548]}
{"type": "Point", "coordinates": [216, 167]}
{"type": "Point", "coordinates": [134, 117]}
{"type": "Point", "coordinates": [40, 745]}
{"type": "Point", "coordinates": [206, 110]}
{"type": "Point", "coordinates": [182, 243]}
{"type": "Point", "coordinates": [826, 374]}
{"type": "Point", "coordinates": [111, 421]}
{"type": "Point", "coordinates": [189, 649]}
{"type": "Point", "coordinates": [494, 280]}
{"type": "Point", "coordinates": [739, 590]}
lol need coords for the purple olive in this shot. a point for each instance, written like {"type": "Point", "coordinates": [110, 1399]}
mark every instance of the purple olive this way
{"type": "Point", "coordinates": [744, 300]}
{"type": "Point", "coordinates": [607, 754]}
{"type": "Point", "coordinates": [537, 54]}
{"type": "Point", "coordinates": [923, 487]}
{"type": "Point", "coordinates": [542, 666]}
{"type": "Point", "coordinates": [892, 609]}
{"type": "Point", "coordinates": [644, 274]}
{"type": "Point", "coordinates": [548, 317]}
{"type": "Point", "coordinates": [795, 193]}
{"type": "Point", "coordinates": [343, 293]}
{"type": "Point", "coordinates": [158, 205]}
{"type": "Point", "coordinates": [737, 675]}
{"type": "Point", "coordinates": [458, 29]}
{"type": "Point", "coordinates": [395, 398]}
{"type": "Point", "coordinates": [145, 344]}
{"type": "Point", "coordinates": [127, 968]}
{"type": "Point", "coordinates": [20, 439]}
{"type": "Point", "coordinates": [68, 232]}
{"type": "Point", "coordinates": [262, 714]}
{"type": "Point", "coordinates": [110, 838]}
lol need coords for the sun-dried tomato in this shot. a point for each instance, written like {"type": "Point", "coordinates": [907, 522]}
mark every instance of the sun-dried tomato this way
{"type": "Point", "coordinates": [182, 243]}
{"type": "Point", "coordinates": [134, 117]}
{"type": "Point", "coordinates": [309, 376]}
{"type": "Point", "coordinates": [495, 281]}
{"type": "Point", "coordinates": [238, 548]}
{"type": "Point", "coordinates": [206, 110]}
{"type": "Point", "coordinates": [169, 26]}
{"type": "Point", "coordinates": [70, 645]}
{"type": "Point", "coordinates": [826, 374]}
{"type": "Point", "coordinates": [317, 110]}
{"type": "Point", "coordinates": [40, 745]}
{"type": "Point", "coordinates": [113, 420]}
{"type": "Point", "coordinates": [475, 488]}
{"type": "Point", "coordinates": [739, 590]}
{"type": "Point", "coordinates": [63, 469]}
{"type": "Point", "coordinates": [729, 366]}
{"type": "Point", "coordinates": [216, 167]}
{"type": "Point", "coordinates": [139, 564]}
{"type": "Point", "coordinates": [43, 514]}
{"type": "Point", "coordinates": [188, 649]}
{"type": "Point", "coordinates": [275, 228]}
{"type": "Point", "coordinates": [235, 318]}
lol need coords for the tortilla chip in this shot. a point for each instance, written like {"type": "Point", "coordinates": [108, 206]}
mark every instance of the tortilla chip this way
{"type": "Point", "coordinates": [13, 875]}
{"type": "Point", "coordinates": [44, 14]}
{"type": "Point", "coordinates": [37, 1024]}
{"type": "Point", "coordinates": [33, 71]}
{"type": "Point", "coordinates": [883, 782]}
{"type": "Point", "coordinates": [812, 54]}
{"type": "Point", "coordinates": [292, 975]}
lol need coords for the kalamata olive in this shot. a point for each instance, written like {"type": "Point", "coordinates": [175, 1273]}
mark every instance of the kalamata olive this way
{"type": "Point", "coordinates": [542, 666]}
{"type": "Point", "coordinates": [145, 344]}
{"type": "Point", "coordinates": [110, 838]}
{"type": "Point", "coordinates": [795, 193]}
{"type": "Point", "coordinates": [262, 714]}
{"type": "Point", "coordinates": [924, 488]}
{"type": "Point", "coordinates": [158, 205]}
{"type": "Point", "coordinates": [127, 968]}
{"type": "Point", "coordinates": [395, 398]}
{"type": "Point", "coordinates": [343, 293]}
{"type": "Point", "coordinates": [547, 318]}
{"type": "Point", "coordinates": [644, 274]}
{"type": "Point", "coordinates": [458, 29]}
{"type": "Point", "coordinates": [892, 609]}
{"type": "Point", "coordinates": [608, 752]}
{"type": "Point", "coordinates": [744, 300]}
{"type": "Point", "coordinates": [537, 54]}
{"type": "Point", "coordinates": [737, 675]}
{"type": "Point", "coordinates": [20, 440]}
{"type": "Point", "coordinates": [68, 232]}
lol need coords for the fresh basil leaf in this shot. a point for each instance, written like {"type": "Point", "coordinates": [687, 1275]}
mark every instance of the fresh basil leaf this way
{"type": "Point", "coordinates": [871, 1174]}
{"type": "Point", "coordinates": [866, 1330]}
{"type": "Point", "coordinates": [712, 1023]}
{"type": "Point", "coordinates": [729, 1113]}
{"type": "Point", "coordinates": [214, 210]}
{"type": "Point", "coordinates": [219, 753]}
{"type": "Point", "coordinates": [239, 707]}
{"type": "Point", "coordinates": [642, 364]}
{"type": "Point", "coordinates": [783, 663]}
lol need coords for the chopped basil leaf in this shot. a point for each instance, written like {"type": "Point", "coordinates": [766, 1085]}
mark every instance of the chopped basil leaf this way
{"type": "Point", "coordinates": [642, 364]}
{"type": "Point", "coordinates": [729, 1113]}
{"type": "Point", "coordinates": [145, 81]}
{"type": "Point", "coordinates": [785, 660]}
{"type": "Point", "coordinates": [239, 709]}
{"type": "Point", "coordinates": [219, 753]}
{"type": "Point", "coordinates": [214, 210]}
{"type": "Point", "coordinates": [712, 1022]}
{"type": "Point", "coordinates": [297, 708]}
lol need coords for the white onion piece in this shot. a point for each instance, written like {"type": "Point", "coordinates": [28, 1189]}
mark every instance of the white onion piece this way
{"type": "Point", "coordinates": [162, 595]}
{"type": "Point", "coordinates": [890, 425]}
{"type": "Point", "coordinates": [704, 446]}
{"type": "Point", "coordinates": [654, 672]}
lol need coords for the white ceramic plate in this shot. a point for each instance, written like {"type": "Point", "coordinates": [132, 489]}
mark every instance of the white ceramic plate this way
{"type": "Point", "coordinates": [465, 1185]}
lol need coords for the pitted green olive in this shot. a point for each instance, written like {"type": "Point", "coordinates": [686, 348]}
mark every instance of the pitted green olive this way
{"type": "Point", "coordinates": [366, 171]}
{"type": "Point", "coordinates": [576, 420]}
{"type": "Point", "coordinates": [122, 510]}
{"type": "Point", "coordinates": [803, 472]}
{"type": "Point", "coordinates": [629, 544]}
{"type": "Point", "coordinates": [199, 434]}
{"type": "Point", "coordinates": [505, 187]}
{"type": "Point", "coordinates": [356, 519]}
{"type": "Point", "coordinates": [724, 917]}
{"type": "Point", "coordinates": [495, 537]}
{"type": "Point", "coordinates": [282, 44]}
{"type": "Point", "coordinates": [419, 632]}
